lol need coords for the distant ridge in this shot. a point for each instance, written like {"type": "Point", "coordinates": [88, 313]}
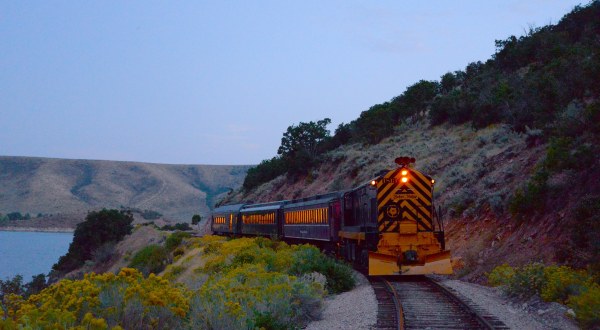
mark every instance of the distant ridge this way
{"type": "Point", "coordinates": [68, 186]}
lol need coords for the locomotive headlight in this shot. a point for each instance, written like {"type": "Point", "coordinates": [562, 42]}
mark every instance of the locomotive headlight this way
{"type": "Point", "coordinates": [432, 181]}
{"type": "Point", "coordinates": [404, 173]}
{"type": "Point", "coordinates": [404, 179]}
{"type": "Point", "coordinates": [373, 183]}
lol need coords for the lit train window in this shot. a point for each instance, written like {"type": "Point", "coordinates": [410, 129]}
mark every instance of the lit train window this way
{"type": "Point", "coordinates": [314, 216]}
{"type": "Point", "coordinates": [261, 219]}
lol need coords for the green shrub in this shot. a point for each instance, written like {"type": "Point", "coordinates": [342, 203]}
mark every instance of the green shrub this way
{"type": "Point", "coordinates": [177, 226]}
{"type": "Point", "coordinates": [266, 321]}
{"type": "Point", "coordinates": [151, 259]}
{"type": "Point", "coordinates": [562, 282]}
{"type": "Point", "coordinates": [309, 259]}
{"type": "Point", "coordinates": [527, 281]}
{"type": "Point", "coordinates": [586, 228]}
{"type": "Point", "coordinates": [104, 252]}
{"type": "Point", "coordinates": [151, 215]}
{"type": "Point", "coordinates": [98, 229]}
{"type": "Point", "coordinates": [532, 198]}
{"type": "Point", "coordinates": [178, 252]}
{"type": "Point", "coordinates": [175, 239]}
{"type": "Point", "coordinates": [174, 271]}
{"type": "Point", "coordinates": [266, 171]}
{"type": "Point", "coordinates": [501, 275]}
{"type": "Point", "coordinates": [587, 307]}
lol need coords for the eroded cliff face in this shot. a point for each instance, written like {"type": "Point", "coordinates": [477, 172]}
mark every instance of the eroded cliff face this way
{"type": "Point", "coordinates": [477, 173]}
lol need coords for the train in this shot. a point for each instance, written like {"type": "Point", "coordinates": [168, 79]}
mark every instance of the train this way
{"type": "Point", "coordinates": [387, 226]}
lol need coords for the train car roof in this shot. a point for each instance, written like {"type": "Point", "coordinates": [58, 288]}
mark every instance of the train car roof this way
{"type": "Point", "coordinates": [228, 208]}
{"type": "Point", "coordinates": [263, 206]}
{"type": "Point", "coordinates": [314, 200]}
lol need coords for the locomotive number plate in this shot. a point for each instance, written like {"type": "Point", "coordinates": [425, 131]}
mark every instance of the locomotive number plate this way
{"type": "Point", "coordinates": [407, 196]}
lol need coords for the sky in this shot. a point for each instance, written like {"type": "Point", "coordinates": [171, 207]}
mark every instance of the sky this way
{"type": "Point", "coordinates": [218, 82]}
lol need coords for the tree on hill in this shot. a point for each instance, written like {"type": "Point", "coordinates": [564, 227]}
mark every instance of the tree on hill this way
{"type": "Point", "coordinates": [304, 138]}
{"type": "Point", "coordinates": [196, 218]}
{"type": "Point", "coordinates": [266, 171]}
{"type": "Point", "coordinates": [98, 229]}
{"type": "Point", "coordinates": [298, 152]}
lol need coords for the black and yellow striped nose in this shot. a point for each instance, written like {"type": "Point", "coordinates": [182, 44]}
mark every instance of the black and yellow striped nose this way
{"type": "Point", "coordinates": [404, 194]}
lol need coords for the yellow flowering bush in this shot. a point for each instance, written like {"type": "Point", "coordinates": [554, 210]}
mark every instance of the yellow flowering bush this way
{"type": "Point", "coordinates": [575, 288]}
{"type": "Point", "coordinates": [252, 283]}
{"type": "Point", "coordinates": [587, 306]}
{"type": "Point", "coordinates": [235, 299]}
{"type": "Point", "coordinates": [279, 257]}
{"type": "Point", "coordinates": [102, 301]}
{"type": "Point", "coordinates": [562, 282]}
{"type": "Point", "coordinates": [211, 243]}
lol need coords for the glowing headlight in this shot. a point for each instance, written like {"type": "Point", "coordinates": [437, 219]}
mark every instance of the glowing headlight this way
{"type": "Point", "coordinates": [404, 172]}
{"type": "Point", "coordinates": [373, 183]}
{"type": "Point", "coordinates": [405, 179]}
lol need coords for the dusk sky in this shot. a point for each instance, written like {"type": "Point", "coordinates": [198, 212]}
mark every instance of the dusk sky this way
{"type": "Point", "coordinates": [218, 82]}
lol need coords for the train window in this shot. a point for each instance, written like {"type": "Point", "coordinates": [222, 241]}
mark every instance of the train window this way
{"type": "Point", "coordinates": [261, 219]}
{"type": "Point", "coordinates": [313, 216]}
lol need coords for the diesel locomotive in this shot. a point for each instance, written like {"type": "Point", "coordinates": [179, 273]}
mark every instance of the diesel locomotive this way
{"type": "Point", "coordinates": [388, 226]}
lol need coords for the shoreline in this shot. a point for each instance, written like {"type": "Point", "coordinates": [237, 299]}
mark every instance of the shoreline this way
{"type": "Point", "coordinates": [41, 230]}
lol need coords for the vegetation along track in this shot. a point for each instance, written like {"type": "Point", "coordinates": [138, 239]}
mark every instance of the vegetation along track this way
{"type": "Point", "coordinates": [421, 303]}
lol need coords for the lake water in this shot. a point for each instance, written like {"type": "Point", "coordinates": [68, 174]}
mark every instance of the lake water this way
{"type": "Point", "coordinates": [30, 253]}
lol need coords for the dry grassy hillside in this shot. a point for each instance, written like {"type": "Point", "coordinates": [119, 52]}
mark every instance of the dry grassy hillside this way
{"type": "Point", "coordinates": [476, 172]}
{"type": "Point", "coordinates": [61, 186]}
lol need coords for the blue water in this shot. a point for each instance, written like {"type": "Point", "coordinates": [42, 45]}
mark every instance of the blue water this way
{"type": "Point", "coordinates": [30, 253]}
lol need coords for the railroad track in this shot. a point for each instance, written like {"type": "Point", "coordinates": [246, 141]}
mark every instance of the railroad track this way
{"type": "Point", "coordinates": [388, 310]}
{"type": "Point", "coordinates": [422, 303]}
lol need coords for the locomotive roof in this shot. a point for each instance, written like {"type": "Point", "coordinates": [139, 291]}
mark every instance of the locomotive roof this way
{"type": "Point", "coordinates": [228, 208]}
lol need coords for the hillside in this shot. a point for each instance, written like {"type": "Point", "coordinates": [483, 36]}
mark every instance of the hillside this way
{"type": "Point", "coordinates": [66, 189]}
{"type": "Point", "coordinates": [513, 143]}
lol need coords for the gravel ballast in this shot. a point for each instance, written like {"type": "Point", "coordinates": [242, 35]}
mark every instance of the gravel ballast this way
{"type": "Point", "coordinates": [532, 314]}
{"type": "Point", "coordinates": [357, 309]}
